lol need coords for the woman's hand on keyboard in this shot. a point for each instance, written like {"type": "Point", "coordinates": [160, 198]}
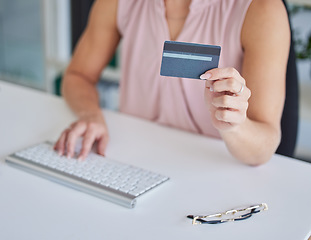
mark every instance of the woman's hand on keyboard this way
{"type": "Point", "coordinates": [92, 129]}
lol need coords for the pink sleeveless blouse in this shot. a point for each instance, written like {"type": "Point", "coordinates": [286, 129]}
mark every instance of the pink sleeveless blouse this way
{"type": "Point", "coordinates": [175, 102]}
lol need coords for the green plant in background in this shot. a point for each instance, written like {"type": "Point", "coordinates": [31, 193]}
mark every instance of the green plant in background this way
{"type": "Point", "coordinates": [294, 9]}
{"type": "Point", "coordinates": [303, 48]}
{"type": "Point", "coordinates": [302, 44]}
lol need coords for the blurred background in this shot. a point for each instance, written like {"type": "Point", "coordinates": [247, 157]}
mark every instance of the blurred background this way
{"type": "Point", "coordinates": [37, 38]}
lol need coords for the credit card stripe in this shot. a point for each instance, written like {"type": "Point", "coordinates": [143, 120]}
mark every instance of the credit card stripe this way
{"type": "Point", "coordinates": [191, 48]}
{"type": "Point", "coordinates": [187, 56]}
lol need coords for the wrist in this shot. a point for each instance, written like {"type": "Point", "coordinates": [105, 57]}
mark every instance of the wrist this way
{"type": "Point", "coordinates": [91, 115]}
{"type": "Point", "coordinates": [235, 130]}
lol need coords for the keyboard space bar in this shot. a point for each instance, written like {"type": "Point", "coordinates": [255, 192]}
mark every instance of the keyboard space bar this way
{"type": "Point", "coordinates": [123, 199]}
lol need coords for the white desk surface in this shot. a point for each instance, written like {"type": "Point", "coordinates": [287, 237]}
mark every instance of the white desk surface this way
{"type": "Point", "coordinates": [204, 179]}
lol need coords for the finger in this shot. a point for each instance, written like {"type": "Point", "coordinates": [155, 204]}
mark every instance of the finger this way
{"type": "Point", "coordinates": [60, 144]}
{"type": "Point", "coordinates": [102, 145]}
{"type": "Point", "coordinates": [221, 73]}
{"type": "Point", "coordinates": [55, 147]}
{"type": "Point", "coordinates": [230, 102]}
{"type": "Point", "coordinates": [77, 131]}
{"type": "Point", "coordinates": [87, 143]}
{"type": "Point", "coordinates": [228, 85]}
{"type": "Point", "coordinates": [209, 85]}
{"type": "Point", "coordinates": [229, 116]}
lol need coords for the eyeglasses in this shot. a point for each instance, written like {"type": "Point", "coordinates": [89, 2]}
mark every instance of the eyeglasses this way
{"type": "Point", "coordinates": [229, 216]}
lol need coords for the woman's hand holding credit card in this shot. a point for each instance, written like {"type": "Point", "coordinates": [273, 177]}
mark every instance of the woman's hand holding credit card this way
{"type": "Point", "coordinates": [226, 94]}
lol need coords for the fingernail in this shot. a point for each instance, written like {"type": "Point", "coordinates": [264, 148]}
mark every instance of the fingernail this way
{"type": "Point", "coordinates": [205, 76]}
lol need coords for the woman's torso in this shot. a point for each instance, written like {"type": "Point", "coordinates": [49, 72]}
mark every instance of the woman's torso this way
{"type": "Point", "coordinates": [171, 101]}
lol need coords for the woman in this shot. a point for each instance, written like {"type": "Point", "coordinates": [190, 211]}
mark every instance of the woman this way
{"type": "Point", "coordinates": [240, 102]}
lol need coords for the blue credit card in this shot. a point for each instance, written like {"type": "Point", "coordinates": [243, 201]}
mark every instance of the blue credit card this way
{"type": "Point", "coordinates": [188, 60]}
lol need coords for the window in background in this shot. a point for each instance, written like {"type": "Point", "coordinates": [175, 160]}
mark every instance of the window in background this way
{"type": "Point", "coordinates": [35, 41]}
{"type": "Point", "coordinates": [21, 43]}
{"type": "Point", "coordinates": [57, 32]}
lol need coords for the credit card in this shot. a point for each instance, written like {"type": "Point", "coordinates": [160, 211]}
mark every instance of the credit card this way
{"type": "Point", "coordinates": [188, 60]}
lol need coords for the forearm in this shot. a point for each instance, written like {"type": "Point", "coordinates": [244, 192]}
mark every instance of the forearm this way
{"type": "Point", "coordinates": [256, 139]}
{"type": "Point", "coordinates": [253, 142]}
{"type": "Point", "coordinates": [92, 53]}
{"type": "Point", "coordinates": [81, 95]}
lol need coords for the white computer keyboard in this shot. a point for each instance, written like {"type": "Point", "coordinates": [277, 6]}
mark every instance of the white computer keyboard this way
{"type": "Point", "coordinates": [97, 175]}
